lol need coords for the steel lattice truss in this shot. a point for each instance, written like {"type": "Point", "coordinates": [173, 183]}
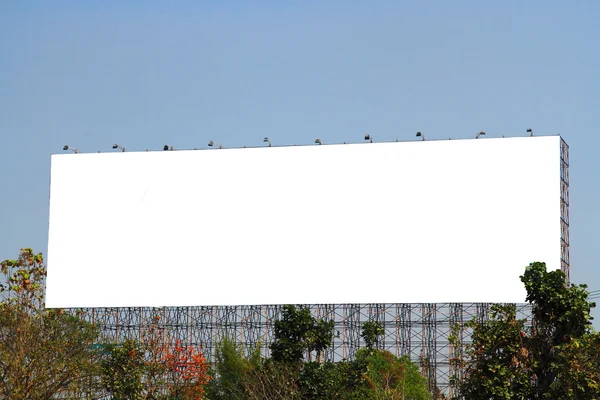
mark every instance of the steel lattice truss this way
{"type": "Point", "coordinates": [564, 208]}
{"type": "Point", "coordinates": [418, 330]}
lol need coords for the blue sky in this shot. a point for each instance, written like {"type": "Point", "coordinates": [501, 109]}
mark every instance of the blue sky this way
{"type": "Point", "coordinates": [144, 74]}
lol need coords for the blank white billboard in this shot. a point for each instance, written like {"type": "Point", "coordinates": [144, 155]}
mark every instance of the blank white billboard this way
{"type": "Point", "coordinates": [408, 222]}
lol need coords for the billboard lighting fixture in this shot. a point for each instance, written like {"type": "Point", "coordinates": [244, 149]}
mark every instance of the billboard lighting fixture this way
{"type": "Point", "coordinates": [212, 143]}
{"type": "Point", "coordinates": [116, 146]}
{"type": "Point", "coordinates": [479, 134]}
{"type": "Point", "coordinates": [530, 132]}
{"type": "Point", "coordinates": [369, 138]}
{"type": "Point", "coordinates": [266, 140]}
{"type": "Point", "coordinates": [419, 134]}
{"type": "Point", "coordinates": [70, 148]}
{"type": "Point", "coordinates": [318, 141]}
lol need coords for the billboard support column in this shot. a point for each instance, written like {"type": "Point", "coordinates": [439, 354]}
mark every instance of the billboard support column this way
{"type": "Point", "coordinates": [564, 209]}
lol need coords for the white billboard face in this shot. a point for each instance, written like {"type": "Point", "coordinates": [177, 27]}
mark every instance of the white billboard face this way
{"type": "Point", "coordinates": [432, 221]}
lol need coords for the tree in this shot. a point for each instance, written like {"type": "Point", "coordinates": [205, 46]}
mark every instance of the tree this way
{"type": "Point", "coordinates": [578, 369]}
{"type": "Point", "coordinates": [153, 342]}
{"type": "Point", "coordinates": [187, 371]}
{"type": "Point", "coordinates": [122, 371]}
{"type": "Point", "coordinates": [43, 353]}
{"type": "Point", "coordinates": [390, 377]}
{"type": "Point", "coordinates": [560, 315]}
{"type": "Point", "coordinates": [272, 380]}
{"type": "Point", "coordinates": [147, 369]}
{"type": "Point", "coordinates": [557, 357]}
{"type": "Point", "coordinates": [230, 370]}
{"type": "Point", "coordinates": [498, 360]}
{"type": "Point", "coordinates": [319, 338]}
{"type": "Point", "coordinates": [344, 380]}
{"type": "Point", "coordinates": [298, 332]}
{"type": "Point", "coordinates": [375, 374]}
{"type": "Point", "coordinates": [371, 331]}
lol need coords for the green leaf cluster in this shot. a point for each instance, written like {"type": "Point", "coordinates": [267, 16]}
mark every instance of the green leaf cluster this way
{"type": "Point", "coordinates": [373, 374]}
{"type": "Point", "coordinates": [232, 367]}
{"type": "Point", "coordinates": [371, 331]}
{"type": "Point", "coordinates": [43, 353]}
{"type": "Point", "coordinates": [297, 333]}
{"type": "Point", "coordinates": [391, 377]}
{"type": "Point", "coordinates": [555, 356]}
{"type": "Point", "coordinates": [122, 371]}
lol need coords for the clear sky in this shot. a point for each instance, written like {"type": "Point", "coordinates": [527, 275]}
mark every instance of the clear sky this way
{"type": "Point", "coordinates": [148, 73]}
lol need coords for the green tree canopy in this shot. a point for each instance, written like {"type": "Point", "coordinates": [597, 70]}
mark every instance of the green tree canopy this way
{"type": "Point", "coordinates": [554, 357]}
{"type": "Point", "coordinates": [371, 331]}
{"type": "Point", "coordinates": [43, 353]}
{"type": "Point", "coordinates": [122, 371]}
{"type": "Point", "coordinates": [390, 377]}
{"type": "Point", "coordinates": [232, 369]}
{"type": "Point", "coordinates": [298, 332]}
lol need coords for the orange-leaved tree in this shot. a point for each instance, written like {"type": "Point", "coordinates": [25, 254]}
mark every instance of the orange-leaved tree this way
{"type": "Point", "coordinates": [188, 371]}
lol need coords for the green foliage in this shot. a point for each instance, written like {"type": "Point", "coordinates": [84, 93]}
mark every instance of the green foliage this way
{"type": "Point", "coordinates": [577, 369]}
{"type": "Point", "coordinates": [499, 367]}
{"type": "Point", "coordinates": [391, 377]}
{"type": "Point", "coordinates": [154, 368]}
{"type": "Point", "coordinates": [291, 334]}
{"type": "Point", "coordinates": [272, 380]}
{"type": "Point", "coordinates": [43, 353]}
{"type": "Point", "coordinates": [50, 353]}
{"type": "Point", "coordinates": [122, 371]}
{"type": "Point", "coordinates": [373, 375]}
{"type": "Point", "coordinates": [342, 380]}
{"type": "Point", "coordinates": [24, 279]}
{"type": "Point", "coordinates": [319, 337]}
{"type": "Point", "coordinates": [560, 312]}
{"type": "Point", "coordinates": [230, 371]}
{"type": "Point", "coordinates": [555, 358]}
{"type": "Point", "coordinates": [371, 331]}
{"type": "Point", "coordinates": [320, 381]}
{"type": "Point", "coordinates": [298, 332]}
{"type": "Point", "coordinates": [353, 380]}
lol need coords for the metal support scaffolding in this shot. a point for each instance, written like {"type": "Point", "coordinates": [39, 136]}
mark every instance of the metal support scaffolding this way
{"type": "Point", "coordinates": [419, 331]}
{"type": "Point", "coordinates": [564, 208]}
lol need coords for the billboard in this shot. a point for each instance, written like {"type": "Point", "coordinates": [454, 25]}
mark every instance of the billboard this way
{"type": "Point", "coordinates": [404, 222]}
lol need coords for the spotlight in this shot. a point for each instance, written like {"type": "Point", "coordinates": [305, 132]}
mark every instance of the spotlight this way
{"type": "Point", "coordinates": [266, 140]}
{"type": "Point", "coordinates": [318, 141]}
{"type": "Point", "coordinates": [479, 134]}
{"type": "Point", "coordinates": [116, 146]}
{"type": "Point", "coordinates": [166, 147]}
{"type": "Point", "coordinates": [369, 138]}
{"type": "Point", "coordinates": [212, 143]}
{"type": "Point", "coordinates": [70, 148]}
{"type": "Point", "coordinates": [530, 132]}
{"type": "Point", "coordinates": [419, 134]}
